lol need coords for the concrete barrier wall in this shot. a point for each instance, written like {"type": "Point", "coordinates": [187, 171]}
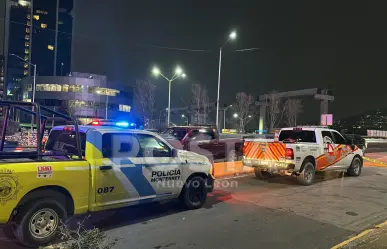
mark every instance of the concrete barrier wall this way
{"type": "Point", "coordinates": [225, 169]}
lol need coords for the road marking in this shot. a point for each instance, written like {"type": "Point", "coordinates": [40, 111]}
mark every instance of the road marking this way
{"type": "Point", "coordinates": [358, 236]}
{"type": "Point", "coordinates": [375, 161]}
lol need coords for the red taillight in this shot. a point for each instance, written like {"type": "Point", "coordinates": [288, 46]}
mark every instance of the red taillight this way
{"type": "Point", "coordinates": [68, 128]}
{"type": "Point", "coordinates": [95, 123]}
{"type": "Point", "coordinates": [212, 168]}
{"type": "Point", "coordinates": [289, 153]}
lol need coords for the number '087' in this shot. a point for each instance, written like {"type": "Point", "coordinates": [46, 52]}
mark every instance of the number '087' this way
{"type": "Point", "coordinates": [105, 190]}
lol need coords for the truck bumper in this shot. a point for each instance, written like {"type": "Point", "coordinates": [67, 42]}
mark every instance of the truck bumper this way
{"type": "Point", "coordinates": [210, 183]}
{"type": "Point", "coordinates": [276, 167]}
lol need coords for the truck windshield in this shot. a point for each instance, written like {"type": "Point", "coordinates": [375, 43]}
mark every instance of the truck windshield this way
{"type": "Point", "coordinates": [298, 136]}
{"type": "Point", "coordinates": [65, 142]}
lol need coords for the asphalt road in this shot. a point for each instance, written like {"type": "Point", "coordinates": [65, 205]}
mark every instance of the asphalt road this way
{"type": "Point", "coordinates": [250, 213]}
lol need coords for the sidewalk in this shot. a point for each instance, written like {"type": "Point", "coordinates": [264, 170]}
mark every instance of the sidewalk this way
{"type": "Point", "coordinates": [375, 239]}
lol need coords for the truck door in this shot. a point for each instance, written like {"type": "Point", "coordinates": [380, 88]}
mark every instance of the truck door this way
{"type": "Point", "coordinates": [118, 175]}
{"type": "Point", "coordinates": [343, 152]}
{"type": "Point", "coordinates": [161, 170]}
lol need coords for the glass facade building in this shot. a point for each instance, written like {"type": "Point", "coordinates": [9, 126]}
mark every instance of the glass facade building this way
{"type": "Point", "coordinates": [86, 96]}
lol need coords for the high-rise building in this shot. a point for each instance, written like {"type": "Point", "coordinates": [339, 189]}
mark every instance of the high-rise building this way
{"type": "Point", "coordinates": [3, 86]}
{"type": "Point", "coordinates": [40, 32]}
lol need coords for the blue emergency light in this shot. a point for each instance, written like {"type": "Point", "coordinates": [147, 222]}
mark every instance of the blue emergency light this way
{"type": "Point", "coordinates": [122, 124]}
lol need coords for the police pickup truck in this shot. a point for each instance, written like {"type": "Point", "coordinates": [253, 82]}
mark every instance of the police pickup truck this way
{"type": "Point", "coordinates": [301, 151]}
{"type": "Point", "coordinates": [90, 168]}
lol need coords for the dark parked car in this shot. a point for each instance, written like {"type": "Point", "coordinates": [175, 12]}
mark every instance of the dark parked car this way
{"type": "Point", "coordinates": [205, 140]}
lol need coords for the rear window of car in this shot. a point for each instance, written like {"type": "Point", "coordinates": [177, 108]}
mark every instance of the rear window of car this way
{"type": "Point", "coordinates": [298, 136]}
{"type": "Point", "coordinates": [178, 133]}
{"type": "Point", "coordinates": [65, 142]}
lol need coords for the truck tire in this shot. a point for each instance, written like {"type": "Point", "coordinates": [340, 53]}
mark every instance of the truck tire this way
{"type": "Point", "coordinates": [8, 231]}
{"type": "Point", "coordinates": [262, 174]}
{"type": "Point", "coordinates": [194, 193]}
{"type": "Point", "coordinates": [306, 177]}
{"type": "Point", "coordinates": [355, 168]}
{"type": "Point", "coordinates": [38, 221]}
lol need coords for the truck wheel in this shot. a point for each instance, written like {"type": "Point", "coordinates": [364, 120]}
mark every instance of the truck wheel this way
{"type": "Point", "coordinates": [194, 193]}
{"type": "Point", "coordinates": [38, 221]}
{"type": "Point", "coordinates": [355, 168]}
{"type": "Point", "coordinates": [306, 177]}
{"type": "Point", "coordinates": [262, 174]}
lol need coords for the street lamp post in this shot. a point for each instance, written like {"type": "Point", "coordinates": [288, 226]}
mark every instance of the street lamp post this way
{"type": "Point", "coordinates": [186, 118]}
{"type": "Point", "coordinates": [33, 87]}
{"type": "Point", "coordinates": [178, 73]}
{"type": "Point", "coordinates": [34, 84]}
{"type": "Point", "coordinates": [232, 36]}
{"type": "Point", "coordinates": [224, 116]}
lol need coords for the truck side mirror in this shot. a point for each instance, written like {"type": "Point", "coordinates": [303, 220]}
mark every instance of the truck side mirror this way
{"type": "Point", "coordinates": [327, 140]}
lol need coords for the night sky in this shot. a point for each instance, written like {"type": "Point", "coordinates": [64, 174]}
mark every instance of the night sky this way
{"type": "Point", "coordinates": [339, 45]}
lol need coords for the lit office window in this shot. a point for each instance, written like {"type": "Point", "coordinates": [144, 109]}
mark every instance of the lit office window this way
{"type": "Point", "coordinates": [28, 16]}
{"type": "Point", "coordinates": [27, 44]}
{"type": "Point", "coordinates": [28, 23]}
{"type": "Point", "coordinates": [27, 30]}
{"type": "Point", "coordinates": [42, 12]}
{"type": "Point", "coordinates": [26, 51]}
{"type": "Point", "coordinates": [124, 108]}
{"type": "Point", "coordinates": [27, 37]}
{"type": "Point", "coordinates": [25, 65]}
{"type": "Point", "coordinates": [43, 25]}
{"type": "Point", "coordinates": [50, 47]}
{"type": "Point", "coordinates": [26, 57]}
{"type": "Point", "coordinates": [36, 17]}
{"type": "Point", "coordinates": [25, 72]}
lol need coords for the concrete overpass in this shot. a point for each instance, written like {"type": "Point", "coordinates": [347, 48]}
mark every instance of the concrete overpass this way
{"type": "Point", "coordinates": [322, 95]}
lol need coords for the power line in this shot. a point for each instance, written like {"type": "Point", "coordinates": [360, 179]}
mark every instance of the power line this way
{"type": "Point", "coordinates": [133, 45]}
{"type": "Point", "coordinates": [245, 49]}
{"type": "Point", "coordinates": [98, 38]}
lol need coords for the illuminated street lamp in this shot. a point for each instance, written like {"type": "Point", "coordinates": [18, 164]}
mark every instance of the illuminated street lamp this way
{"type": "Point", "coordinates": [224, 116]}
{"type": "Point", "coordinates": [249, 116]}
{"type": "Point", "coordinates": [235, 115]}
{"type": "Point", "coordinates": [232, 36]}
{"type": "Point", "coordinates": [186, 118]}
{"type": "Point", "coordinates": [178, 73]}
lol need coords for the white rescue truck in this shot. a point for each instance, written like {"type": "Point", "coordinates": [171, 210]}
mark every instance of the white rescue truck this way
{"type": "Point", "coordinates": [301, 152]}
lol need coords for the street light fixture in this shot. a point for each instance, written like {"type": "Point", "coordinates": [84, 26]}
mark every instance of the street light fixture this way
{"type": "Point", "coordinates": [156, 71]}
{"type": "Point", "coordinates": [249, 116]}
{"type": "Point", "coordinates": [186, 118]}
{"type": "Point", "coordinates": [235, 115]}
{"type": "Point", "coordinates": [178, 73]}
{"type": "Point", "coordinates": [232, 36]}
{"type": "Point", "coordinates": [224, 116]}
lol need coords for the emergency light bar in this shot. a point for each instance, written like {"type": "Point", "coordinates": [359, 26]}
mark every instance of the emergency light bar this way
{"type": "Point", "coordinates": [122, 124]}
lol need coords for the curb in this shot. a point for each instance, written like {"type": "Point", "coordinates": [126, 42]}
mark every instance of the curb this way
{"type": "Point", "coordinates": [375, 161]}
{"type": "Point", "coordinates": [358, 236]}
